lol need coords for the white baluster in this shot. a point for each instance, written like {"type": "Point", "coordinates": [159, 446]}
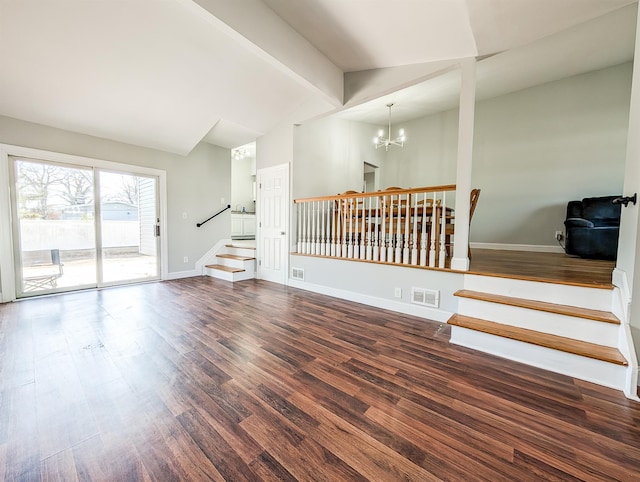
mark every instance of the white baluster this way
{"type": "Point", "coordinates": [443, 225]}
{"type": "Point", "coordinates": [331, 240]}
{"type": "Point", "coordinates": [398, 258]}
{"type": "Point", "coordinates": [369, 239]}
{"type": "Point", "coordinates": [344, 211]}
{"type": "Point", "coordinates": [414, 231]}
{"type": "Point", "coordinates": [312, 230]}
{"type": "Point", "coordinates": [350, 240]}
{"type": "Point", "coordinates": [407, 223]}
{"type": "Point", "coordinates": [423, 237]}
{"type": "Point", "coordinates": [363, 229]}
{"type": "Point", "coordinates": [305, 245]}
{"type": "Point", "coordinates": [323, 234]}
{"type": "Point", "coordinates": [318, 228]}
{"type": "Point", "coordinates": [390, 244]}
{"type": "Point", "coordinates": [434, 223]}
{"type": "Point", "coordinates": [338, 217]}
{"type": "Point", "coordinates": [299, 238]}
{"type": "Point", "coordinates": [382, 241]}
{"type": "Point", "coordinates": [356, 231]}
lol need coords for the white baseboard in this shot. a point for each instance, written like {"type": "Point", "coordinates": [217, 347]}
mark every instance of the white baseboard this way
{"type": "Point", "coordinates": [537, 248]}
{"type": "Point", "coordinates": [405, 308]}
{"type": "Point", "coordinates": [183, 274]}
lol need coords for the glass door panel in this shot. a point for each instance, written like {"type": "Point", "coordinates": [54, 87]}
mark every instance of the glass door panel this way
{"type": "Point", "coordinates": [55, 235]}
{"type": "Point", "coordinates": [128, 214]}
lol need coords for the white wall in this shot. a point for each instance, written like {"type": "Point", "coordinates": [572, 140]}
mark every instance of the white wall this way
{"type": "Point", "coordinates": [329, 156]}
{"type": "Point", "coordinates": [534, 150]}
{"type": "Point", "coordinates": [539, 148]}
{"type": "Point", "coordinates": [375, 284]}
{"type": "Point", "coordinates": [195, 183]}
{"type": "Point", "coordinates": [429, 155]}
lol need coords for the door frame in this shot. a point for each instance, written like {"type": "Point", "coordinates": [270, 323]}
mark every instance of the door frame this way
{"type": "Point", "coordinates": [286, 216]}
{"type": "Point", "coordinates": [7, 265]}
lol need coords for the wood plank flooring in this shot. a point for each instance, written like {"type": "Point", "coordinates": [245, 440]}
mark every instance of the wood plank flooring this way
{"type": "Point", "coordinates": [201, 379]}
{"type": "Point", "coordinates": [553, 267]}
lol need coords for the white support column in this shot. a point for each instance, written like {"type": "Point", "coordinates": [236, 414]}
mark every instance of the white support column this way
{"type": "Point", "coordinates": [626, 275]}
{"type": "Point", "coordinates": [466, 115]}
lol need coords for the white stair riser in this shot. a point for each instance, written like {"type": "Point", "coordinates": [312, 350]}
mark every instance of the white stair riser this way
{"type": "Point", "coordinates": [589, 369]}
{"type": "Point", "coordinates": [246, 252]}
{"type": "Point", "coordinates": [552, 323]}
{"type": "Point", "coordinates": [592, 298]}
{"type": "Point", "coordinates": [219, 274]}
{"type": "Point", "coordinates": [227, 276]}
{"type": "Point", "coordinates": [243, 275]}
{"type": "Point", "coordinates": [236, 263]}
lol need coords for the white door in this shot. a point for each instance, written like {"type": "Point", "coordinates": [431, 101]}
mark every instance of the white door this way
{"type": "Point", "coordinates": [273, 223]}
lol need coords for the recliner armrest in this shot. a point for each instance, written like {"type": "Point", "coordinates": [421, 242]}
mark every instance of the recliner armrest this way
{"type": "Point", "coordinates": [578, 223]}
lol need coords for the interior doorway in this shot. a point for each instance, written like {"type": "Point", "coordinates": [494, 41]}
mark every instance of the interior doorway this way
{"type": "Point", "coordinates": [371, 181]}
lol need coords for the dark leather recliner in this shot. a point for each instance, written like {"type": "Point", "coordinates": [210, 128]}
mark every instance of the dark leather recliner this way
{"type": "Point", "coordinates": [592, 228]}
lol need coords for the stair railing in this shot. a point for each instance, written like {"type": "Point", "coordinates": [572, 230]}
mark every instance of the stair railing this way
{"type": "Point", "coordinates": [210, 218]}
{"type": "Point", "coordinates": [399, 226]}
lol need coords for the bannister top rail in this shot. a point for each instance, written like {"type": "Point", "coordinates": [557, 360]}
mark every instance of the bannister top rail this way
{"type": "Point", "coordinates": [386, 192]}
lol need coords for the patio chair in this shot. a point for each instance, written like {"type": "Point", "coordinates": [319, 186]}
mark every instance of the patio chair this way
{"type": "Point", "coordinates": [33, 283]}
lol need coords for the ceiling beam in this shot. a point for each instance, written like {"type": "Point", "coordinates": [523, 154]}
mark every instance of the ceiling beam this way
{"type": "Point", "coordinates": [255, 26]}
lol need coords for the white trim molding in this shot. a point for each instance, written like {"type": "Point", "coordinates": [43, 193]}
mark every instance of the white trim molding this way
{"type": "Point", "coordinates": [183, 274]}
{"type": "Point", "coordinates": [7, 268]}
{"type": "Point", "coordinates": [535, 248]}
{"type": "Point", "coordinates": [432, 314]}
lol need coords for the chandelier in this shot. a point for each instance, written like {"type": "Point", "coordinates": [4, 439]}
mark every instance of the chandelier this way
{"type": "Point", "coordinates": [380, 141]}
{"type": "Point", "coordinates": [240, 153]}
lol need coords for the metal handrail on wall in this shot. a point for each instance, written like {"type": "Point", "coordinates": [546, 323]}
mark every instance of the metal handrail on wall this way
{"type": "Point", "coordinates": [210, 218]}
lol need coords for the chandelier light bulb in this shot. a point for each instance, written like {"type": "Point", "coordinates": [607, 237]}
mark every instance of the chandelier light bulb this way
{"type": "Point", "coordinates": [380, 133]}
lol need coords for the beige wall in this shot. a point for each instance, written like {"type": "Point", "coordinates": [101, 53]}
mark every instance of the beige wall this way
{"type": "Point", "coordinates": [195, 183]}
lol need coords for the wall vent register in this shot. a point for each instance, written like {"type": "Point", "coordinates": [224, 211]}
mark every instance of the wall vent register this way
{"type": "Point", "coordinates": [425, 297]}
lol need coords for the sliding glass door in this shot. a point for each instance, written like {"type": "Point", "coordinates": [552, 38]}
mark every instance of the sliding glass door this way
{"type": "Point", "coordinates": [128, 220]}
{"type": "Point", "coordinates": [79, 227]}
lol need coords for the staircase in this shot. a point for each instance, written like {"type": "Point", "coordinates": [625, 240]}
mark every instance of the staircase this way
{"type": "Point", "coordinates": [234, 262]}
{"type": "Point", "coordinates": [567, 329]}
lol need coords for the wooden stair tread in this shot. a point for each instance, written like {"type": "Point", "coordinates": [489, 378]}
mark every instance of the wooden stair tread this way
{"type": "Point", "coordinates": [233, 256]}
{"type": "Point", "coordinates": [567, 310]}
{"type": "Point", "coordinates": [560, 343]}
{"type": "Point", "coordinates": [228, 269]}
{"type": "Point", "coordinates": [239, 246]}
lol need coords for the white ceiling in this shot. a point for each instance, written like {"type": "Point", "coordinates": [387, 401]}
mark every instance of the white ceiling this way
{"type": "Point", "coordinates": [596, 44]}
{"type": "Point", "coordinates": [168, 74]}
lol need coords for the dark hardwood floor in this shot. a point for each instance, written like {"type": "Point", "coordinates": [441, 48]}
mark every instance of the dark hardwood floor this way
{"type": "Point", "coordinates": [200, 379]}
{"type": "Point", "coordinates": [553, 267]}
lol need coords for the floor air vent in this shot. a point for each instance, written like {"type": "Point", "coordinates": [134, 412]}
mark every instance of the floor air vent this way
{"type": "Point", "coordinates": [297, 273]}
{"type": "Point", "coordinates": [425, 297]}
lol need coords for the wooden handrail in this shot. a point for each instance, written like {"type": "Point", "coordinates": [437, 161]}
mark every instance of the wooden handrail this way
{"type": "Point", "coordinates": [448, 187]}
